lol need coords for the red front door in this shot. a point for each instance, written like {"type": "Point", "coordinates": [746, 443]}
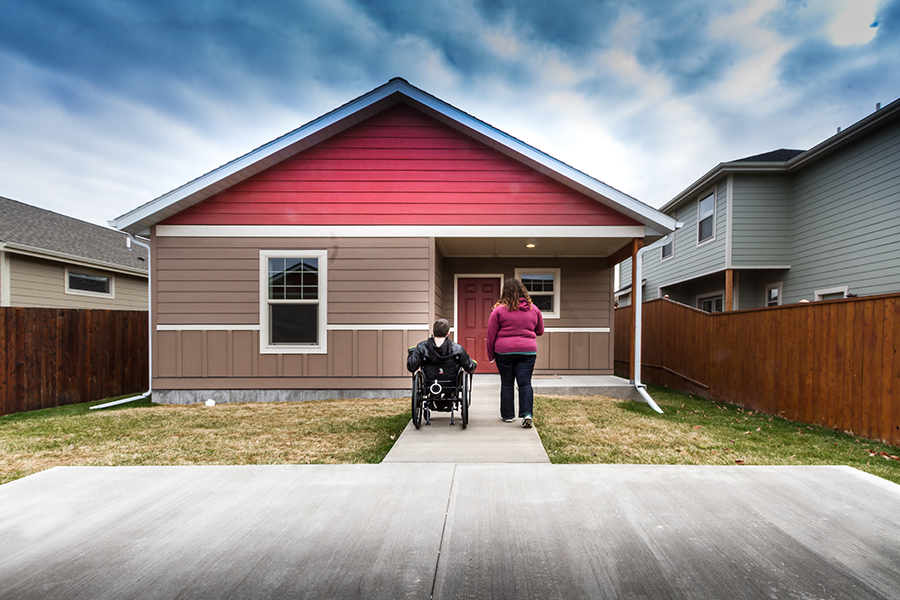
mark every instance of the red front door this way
{"type": "Point", "coordinates": [476, 297]}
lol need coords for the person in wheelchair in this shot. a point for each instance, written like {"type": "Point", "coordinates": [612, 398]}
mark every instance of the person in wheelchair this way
{"type": "Point", "coordinates": [440, 359]}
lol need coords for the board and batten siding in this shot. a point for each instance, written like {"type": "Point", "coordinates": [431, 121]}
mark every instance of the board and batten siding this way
{"type": "Point", "coordinates": [689, 260]}
{"type": "Point", "coordinates": [761, 220]}
{"type": "Point", "coordinates": [39, 283]}
{"type": "Point", "coordinates": [584, 305]}
{"type": "Point", "coordinates": [400, 167]}
{"type": "Point", "coordinates": [379, 303]}
{"type": "Point", "coordinates": [846, 217]}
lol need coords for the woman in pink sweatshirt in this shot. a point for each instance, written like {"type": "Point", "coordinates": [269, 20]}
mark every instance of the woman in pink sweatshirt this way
{"type": "Point", "coordinates": [512, 334]}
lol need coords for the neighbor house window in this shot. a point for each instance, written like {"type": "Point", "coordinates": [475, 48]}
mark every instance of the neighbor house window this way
{"type": "Point", "coordinates": [835, 293]}
{"type": "Point", "coordinates": [667, 249]}
{"type": "Point", "coordinates": [543, 287]}
{"type": "Point", "coordinates": [706, 218]}
{"type": "Point", "coordinates": [293, 301]}
{"type": "Point", "coordinates": [773, 294]}
{"type": "Point", "coordinates": [712, 303]}
{"type": "Point", "coordinates": [88, 284]}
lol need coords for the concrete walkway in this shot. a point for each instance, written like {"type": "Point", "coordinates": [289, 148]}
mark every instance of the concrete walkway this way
{"type": "Point", "coordinates": [487, 439]}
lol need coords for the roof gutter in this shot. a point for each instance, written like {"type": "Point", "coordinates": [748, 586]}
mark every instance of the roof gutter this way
{"type": "Point", "coordinates": [131, 240]}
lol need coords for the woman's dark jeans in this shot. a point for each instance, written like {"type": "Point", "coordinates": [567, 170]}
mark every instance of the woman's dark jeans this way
{"type": "Point", "coordinates": [515, 369]}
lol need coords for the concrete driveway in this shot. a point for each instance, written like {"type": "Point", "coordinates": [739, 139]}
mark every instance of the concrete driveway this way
{"type": "Point", "coordinates": [449, 531]}
{"type": "Point", "coordinates": [455, 529]}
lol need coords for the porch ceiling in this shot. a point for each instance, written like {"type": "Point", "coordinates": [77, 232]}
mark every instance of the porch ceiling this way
{"type": "Point", "coordinates": [554, 247]}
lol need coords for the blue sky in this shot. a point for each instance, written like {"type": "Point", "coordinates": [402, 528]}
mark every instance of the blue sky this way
{"type": "Point", "coordinates": [107, 104]}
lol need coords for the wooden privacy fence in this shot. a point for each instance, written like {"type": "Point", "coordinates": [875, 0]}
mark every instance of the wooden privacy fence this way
{"type": "Point", "coordinates": [52, 357]}
{"type": "Point", "coordinates": [834, 363]}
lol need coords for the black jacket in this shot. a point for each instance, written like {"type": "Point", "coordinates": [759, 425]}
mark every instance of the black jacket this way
{"type": "Point", "coordinates": [439, 362]}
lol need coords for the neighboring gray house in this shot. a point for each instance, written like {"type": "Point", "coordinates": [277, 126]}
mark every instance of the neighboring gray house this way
{"type": "Point", "coordinates": [48, 260]}
{"type": "Point", "coordinates": [786, 226]}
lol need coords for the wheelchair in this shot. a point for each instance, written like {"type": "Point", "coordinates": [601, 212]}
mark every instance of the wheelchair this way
{"type": "Point", "coordinates": [441, 395]}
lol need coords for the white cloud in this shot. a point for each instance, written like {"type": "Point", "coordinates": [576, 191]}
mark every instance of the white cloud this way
{"type": "Point", "coordinates": [852, 25]}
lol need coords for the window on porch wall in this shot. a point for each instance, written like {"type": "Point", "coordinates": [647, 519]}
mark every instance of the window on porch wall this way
{"type": "Point", "coordinates": [543, 287]}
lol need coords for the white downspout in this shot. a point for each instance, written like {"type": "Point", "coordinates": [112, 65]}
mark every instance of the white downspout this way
{"type": "Point", "coordinates": [129, 241]}
{"type": "Point", "coordinates": [637, 296]}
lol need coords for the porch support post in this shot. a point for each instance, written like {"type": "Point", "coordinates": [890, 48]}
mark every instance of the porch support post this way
{"type": "Point", "coordinates": [432, 284]}
{"type": "Point", "coordinates": [729, 289]}
{"type": "Point", "coordinates": [636, 244]}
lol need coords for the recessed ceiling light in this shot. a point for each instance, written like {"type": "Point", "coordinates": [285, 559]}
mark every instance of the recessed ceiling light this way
{"type": "Point", "coordinates": [529, 245]}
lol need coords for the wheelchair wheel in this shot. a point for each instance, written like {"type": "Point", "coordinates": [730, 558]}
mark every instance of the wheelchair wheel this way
{"type": "Point", "coordinates": [418, 386]}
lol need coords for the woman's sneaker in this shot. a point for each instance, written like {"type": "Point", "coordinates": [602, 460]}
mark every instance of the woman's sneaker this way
{"type": "Point", "coordinates": [526, 422]}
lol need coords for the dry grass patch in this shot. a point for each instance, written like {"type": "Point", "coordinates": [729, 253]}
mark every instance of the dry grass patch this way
{"type": "Point", "coordinates": [334, 431]}
{"type": "Point", "coordinates": [694, 431]}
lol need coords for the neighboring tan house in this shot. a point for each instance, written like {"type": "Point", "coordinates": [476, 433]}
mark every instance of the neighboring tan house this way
{"type": "Point", "coordinates": [786, 226]}
{"type": "Point", "coordinates": [48, 260]}
{"type": "Point", "coordinates": [307, 267]}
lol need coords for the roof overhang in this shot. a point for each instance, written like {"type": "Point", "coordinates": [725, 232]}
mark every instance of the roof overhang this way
{"type": "Point", "coordinates": [43, 253]}
{"type": "Point", "coordinates": [139, 220]}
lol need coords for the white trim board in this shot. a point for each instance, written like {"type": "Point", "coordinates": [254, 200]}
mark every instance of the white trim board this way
{"type": "Point", "coordinates": [5, 297]}
{"type": "Point", "coordinates": [399, 231]}
{"type": "Point", "coordinates": [391, 327]}
{"type": "Point", "coordinates": [576, 329]}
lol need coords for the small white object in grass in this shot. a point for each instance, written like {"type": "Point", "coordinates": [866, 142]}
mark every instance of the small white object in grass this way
{"type": "Point", "coordinates": [210, 402]}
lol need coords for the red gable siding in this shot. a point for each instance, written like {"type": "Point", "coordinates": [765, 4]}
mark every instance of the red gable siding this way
{"type": "Point", "coordinates": [400, 167]}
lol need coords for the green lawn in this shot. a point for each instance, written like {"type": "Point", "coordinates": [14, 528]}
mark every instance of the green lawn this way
{"type": "Point", "coordinates": [694, 431]}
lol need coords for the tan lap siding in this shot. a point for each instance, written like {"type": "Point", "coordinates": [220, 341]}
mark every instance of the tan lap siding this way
{"type": "Point", "coordinates": [39, 283]}
{"type": "Point", "coordinates": [215, 281]}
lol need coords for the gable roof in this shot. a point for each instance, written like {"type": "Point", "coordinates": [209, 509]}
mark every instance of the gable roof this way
{"type": "Point", "coordinates": [26, 229]}
{"type": "Point", "coordinates": [786, 161]}
{"type": "Point", "coordinates": [396, 90]}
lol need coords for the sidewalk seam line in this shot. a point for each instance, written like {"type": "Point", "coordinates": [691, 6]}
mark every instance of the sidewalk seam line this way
{"type": "Point", "coordinates": [437, 563]}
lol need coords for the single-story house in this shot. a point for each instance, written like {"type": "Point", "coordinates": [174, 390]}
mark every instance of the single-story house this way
{"type": "Point", "coordinates": [49, 260]}
{"type": "Point", "coordinates": [787, 225]}
{"type": "Point", "coordinates": [307, 267]}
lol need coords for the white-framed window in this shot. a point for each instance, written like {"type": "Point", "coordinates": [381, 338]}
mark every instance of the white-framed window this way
{"type": "Point", "coordinates": [712, 302]}
{"type": "Point", "coordinates": [832, 293]}
{"type": "Point", "coordinates": [773, 294]}
{"type": "Point", "coordinates": [82, 282]}
{"type": "Point", "coordinates": [706, 218]}
{"type": "Point", "coordinates": [543, 287]}
{"type": "Point", "coordinates": [293, 301]}
{"type": "Point", "coordinates": [668, 250]}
